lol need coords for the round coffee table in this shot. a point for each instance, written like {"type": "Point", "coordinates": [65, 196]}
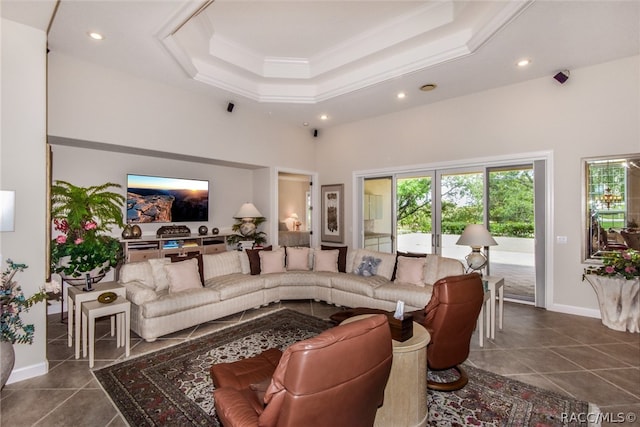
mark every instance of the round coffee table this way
{"type": "Point", "coordinates": [405, 396]}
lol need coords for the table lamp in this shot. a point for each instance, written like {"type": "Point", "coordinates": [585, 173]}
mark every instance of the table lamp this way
{"type": "Point", "coordinates": [247, 213]}
{"type": "Point", "coordinates": [296, 223]}
{"type": "Point", "coordinates": [476, 236]}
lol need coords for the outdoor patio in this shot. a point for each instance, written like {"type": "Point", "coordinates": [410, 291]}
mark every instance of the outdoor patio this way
{"type": "Point", "coordinates": [512, 259]}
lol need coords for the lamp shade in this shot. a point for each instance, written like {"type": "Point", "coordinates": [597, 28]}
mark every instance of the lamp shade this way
{"type": "Point", "coordinates": [294, 216]}
{"type": "Point", "coordinates": [476, 236]}
{"type": "Point", "coordinates": [248, 210]}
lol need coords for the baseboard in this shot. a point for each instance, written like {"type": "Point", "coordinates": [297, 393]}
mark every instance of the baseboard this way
{"type": "Point", "coordinates": [27, 372]}
{"type": "Point", "coordinates": [578, 311]}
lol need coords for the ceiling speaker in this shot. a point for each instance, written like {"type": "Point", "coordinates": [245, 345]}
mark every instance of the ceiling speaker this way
{"type": "Point", "coordinates": [562, 76]}
{"type": "Point", "coordinates": [230, 107]}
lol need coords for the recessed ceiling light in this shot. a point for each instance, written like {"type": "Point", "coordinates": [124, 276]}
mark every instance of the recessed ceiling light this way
{"type": "Point", "coordinates": [524, 62]}
{"type": "Point", "coordinates": [401, 95]}
{"type": "Point", "coordinates": [324, 117]}
{"type": "Point", "coordinates": [305, 124]}
{"type": "Point", "coordinates": [428, 87]}
{"type": "Point", "coordinates": [95, 36]}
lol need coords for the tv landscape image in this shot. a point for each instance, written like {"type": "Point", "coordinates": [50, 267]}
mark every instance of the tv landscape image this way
{"type": "Point", "coordinates": [162, 199]}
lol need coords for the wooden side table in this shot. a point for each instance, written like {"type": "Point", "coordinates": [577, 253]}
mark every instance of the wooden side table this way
{"type": "Point", "coordinates": [496, 285]}
{"type": "Point", "coordinates": [91, 310]}
{"type": "Point", "coordinates": [405, 396]}
{"type": "Point", "coordinates": [76, 296]}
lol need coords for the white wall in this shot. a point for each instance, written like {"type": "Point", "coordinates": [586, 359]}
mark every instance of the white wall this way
{"type": "Point", "coordinates": [22, 169]}
{"type": "Point", "coordinates": [93, 103]}
{"type": "Point", "coordinates": [597, 112]}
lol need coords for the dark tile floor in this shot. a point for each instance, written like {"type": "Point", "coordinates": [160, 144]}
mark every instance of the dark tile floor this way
{"type": "Point", "coordinates": [569, 354]}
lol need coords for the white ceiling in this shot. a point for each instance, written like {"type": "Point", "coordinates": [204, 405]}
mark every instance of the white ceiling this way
{"type": "Point", "coordinates": [295, 60]}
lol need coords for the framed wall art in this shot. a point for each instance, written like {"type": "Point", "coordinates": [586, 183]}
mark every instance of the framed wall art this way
{"type": "Point", "coordinates": [332, 218]}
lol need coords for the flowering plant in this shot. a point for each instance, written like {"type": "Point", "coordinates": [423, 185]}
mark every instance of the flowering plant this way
{"type": "Point", "coordinates": [618, 263]}
{"type": "Point", "coordinates": [80, 215]}
{"type": "Point", "coordinates": [13, 302]}
{"type": "Point", "coordinates": [85, 249]}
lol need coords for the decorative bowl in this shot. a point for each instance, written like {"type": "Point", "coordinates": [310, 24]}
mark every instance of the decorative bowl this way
{"type": "Point", "coordinates": [107, 297]}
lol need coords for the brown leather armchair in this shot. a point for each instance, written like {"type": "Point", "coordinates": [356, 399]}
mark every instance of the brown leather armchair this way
{"type": "Point", "coordinates": [334, 379]}
{"type": "Point", "coordinates": [450, 317]}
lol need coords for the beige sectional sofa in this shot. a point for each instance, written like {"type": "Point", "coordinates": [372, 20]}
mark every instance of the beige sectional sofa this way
{"type": "Point", "coordinates": [169, 296]}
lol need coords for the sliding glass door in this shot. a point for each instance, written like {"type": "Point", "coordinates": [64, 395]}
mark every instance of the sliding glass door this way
{"type": "Point", "coordinates": [461, 201]}
{"type": "Point", "coordinates": [512, 222]}
{"type": "Point", "coordinates": [414, 214]}
{"type": "Point", "coordinates": [431, 209]}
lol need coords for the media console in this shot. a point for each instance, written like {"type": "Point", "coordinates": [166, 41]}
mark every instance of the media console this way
{"type": "Point", "coordinates": [149, 247]}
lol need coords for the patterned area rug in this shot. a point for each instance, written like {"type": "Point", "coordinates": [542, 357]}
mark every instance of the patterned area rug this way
{"type": "Point", "coordinates": [172, 387]}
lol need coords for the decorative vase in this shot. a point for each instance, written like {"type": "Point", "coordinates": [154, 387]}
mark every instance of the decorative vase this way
{"type": "Point", "coordinates": [127, 232]}
{"type": "Point", "coordinates": [136, 231]}
{"type": "Point", "coordinates": [7, 360]}
{"type": "Point", "coordinates": [619, 301]}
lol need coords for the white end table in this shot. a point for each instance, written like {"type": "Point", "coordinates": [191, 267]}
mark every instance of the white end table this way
{"type": "Point", "coordinates": [91, 310]}
{"type": "Point", "coordinates": [482, 329]}
{"type": "Point", "coordinates": [76, 296]}
{"type": "Point", "coordinates": [496, 284]}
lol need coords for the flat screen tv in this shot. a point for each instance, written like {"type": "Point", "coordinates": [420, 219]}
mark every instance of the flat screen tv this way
{"type": "Point", "coordinates": [162, 199]}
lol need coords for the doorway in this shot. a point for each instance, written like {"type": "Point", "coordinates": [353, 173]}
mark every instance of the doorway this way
{"type": "Point", "coordinates": [295, 209]}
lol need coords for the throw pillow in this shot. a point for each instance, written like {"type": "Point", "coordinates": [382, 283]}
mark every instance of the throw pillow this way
{"type": "Point", "coordinates": [221, 264]}
{"type": "Point", "coordinates": [282, 226]}
{"type": "Point", "coordinates": [342, 256]}
{"type": "Point", "coordinates": [410, 270]}
{"type": "Point", "coordinates": [159, 275]}
{"type": "Point", "coordinates": [297, 258]}
{"type": "Point", "coordinates": [326, 260]}
{"type": "Point", "coordinates": [368, 266]}
{"type": "Point", "coordinates": [405, 254]}
{"type": "Point", "coordinates": [188, 256]}
{"type": "Point", "coordinates": [385, 269]}
{"type": "Point", "coordinates": [271, 261]}
{"type": "Point", "coordinates": [183, 275]}
{"type": "Point", "coordinates": [254, 259]}
{"type": "Point", "coordinates": [138, 272]}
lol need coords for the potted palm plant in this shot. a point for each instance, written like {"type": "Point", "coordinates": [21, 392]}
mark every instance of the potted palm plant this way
{"type": "Point", "coordinates": [82, 252]}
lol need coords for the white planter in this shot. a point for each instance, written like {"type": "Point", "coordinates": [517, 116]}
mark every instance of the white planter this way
{"type": "Point", "coordinates": [81, 279]}
{"type": "Point", "coordinates": [619, 301]}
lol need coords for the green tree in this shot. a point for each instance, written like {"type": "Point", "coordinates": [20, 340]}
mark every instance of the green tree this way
{"type": "Point", "coordinates": [414, 204]}
{"type": "Point", "coordinates": [511, 202]}
{"type": "Point", "coordinates": [461, 201]}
